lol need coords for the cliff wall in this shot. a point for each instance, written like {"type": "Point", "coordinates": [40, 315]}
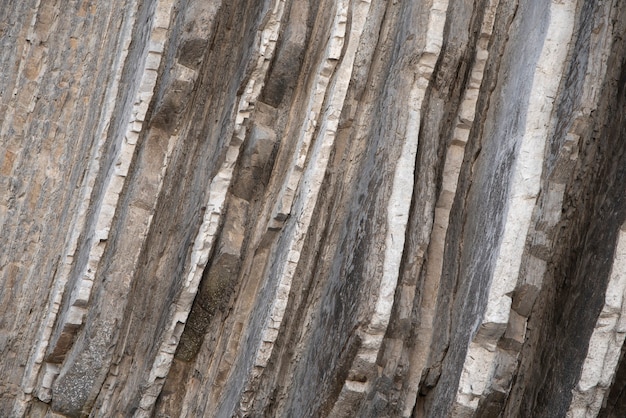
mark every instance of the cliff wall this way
{"type": "Point", "coordinates": [312, 208]}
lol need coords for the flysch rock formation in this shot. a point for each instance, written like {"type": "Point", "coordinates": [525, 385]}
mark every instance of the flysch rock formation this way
{"type": "Point", "coordinates": [312, 208]}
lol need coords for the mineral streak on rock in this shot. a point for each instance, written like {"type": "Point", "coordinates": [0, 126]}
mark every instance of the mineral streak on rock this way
{"type": "Point", "coordinates": [313, 208]}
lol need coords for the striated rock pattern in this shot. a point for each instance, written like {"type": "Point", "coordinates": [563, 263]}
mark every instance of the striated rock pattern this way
{"type": "Point", "coordinates": [313, 208]}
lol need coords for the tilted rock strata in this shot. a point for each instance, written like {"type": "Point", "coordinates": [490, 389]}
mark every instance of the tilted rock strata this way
{"type": "Point", "coordinates": [313, 208]}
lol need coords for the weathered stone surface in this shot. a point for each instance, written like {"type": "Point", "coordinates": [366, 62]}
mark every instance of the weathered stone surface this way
{"type": "Point", "coordinates": [313, 208]}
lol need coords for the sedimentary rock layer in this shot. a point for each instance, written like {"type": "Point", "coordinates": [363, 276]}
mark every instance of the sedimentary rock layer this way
{"type": "Point", "coordinates": [311, 208]}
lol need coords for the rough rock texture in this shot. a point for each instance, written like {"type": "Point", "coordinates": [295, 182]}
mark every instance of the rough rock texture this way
{"type": "Point", "coordinates": [313, 208]}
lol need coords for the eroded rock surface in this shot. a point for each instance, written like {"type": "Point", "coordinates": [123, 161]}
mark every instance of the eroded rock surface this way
{"type": "Point", "coordinates": [325, 208]}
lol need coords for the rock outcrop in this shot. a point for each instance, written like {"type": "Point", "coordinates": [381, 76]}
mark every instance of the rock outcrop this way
{"type": "Point", "coordinates": [313, 208]}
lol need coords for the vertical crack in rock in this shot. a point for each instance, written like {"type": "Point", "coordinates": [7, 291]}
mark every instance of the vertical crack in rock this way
{"type": "Point", "coordinates": [372, 333]}
{"type": "Point", "coordinates": [451, 170]}
{"type": "Point", "coordinates": [480, 373]}
{"type": "Point", "coordinates": [218, 188]}
{"type": "Point", "coordinates": [310, 181]}
{"type": "Point", "coordinates": [471, 248]}
{"type": "Point", "coordinates": [590, 226]}
{"type": "Point", "coordinates": [606, 341]}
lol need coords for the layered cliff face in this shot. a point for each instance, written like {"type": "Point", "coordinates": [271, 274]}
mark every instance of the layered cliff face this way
{"type": "Point", "coordinates": [311, 208]}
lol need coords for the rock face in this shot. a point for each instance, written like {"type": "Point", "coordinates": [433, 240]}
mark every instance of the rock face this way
{"type": "Point", "coordinates": [313, 208]}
